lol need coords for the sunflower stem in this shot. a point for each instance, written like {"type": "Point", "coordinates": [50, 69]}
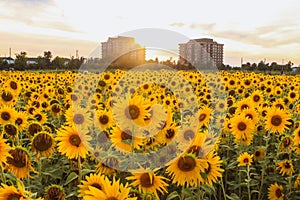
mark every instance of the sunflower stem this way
{"type": "Point", "coordinates": [264, 167]}
{"type": "Point", "coordinates": [248, 182]}
{"type": "Point", "coordinates": [2, 175]}
{"type": "Point", "coordinates": [79, 169]}
{"type": "Point", "coordinates": [223, 188]}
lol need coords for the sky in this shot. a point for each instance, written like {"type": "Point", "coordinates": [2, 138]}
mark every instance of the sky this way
{"type": "Point", "coordinates": [253, 30]}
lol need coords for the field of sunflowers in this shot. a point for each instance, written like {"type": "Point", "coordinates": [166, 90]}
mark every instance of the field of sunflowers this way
{"type": "Point", "coordinates": [164, 134]}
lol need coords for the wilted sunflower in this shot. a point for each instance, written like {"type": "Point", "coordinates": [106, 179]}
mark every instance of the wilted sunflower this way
{"type": "Point", "coordinates": [185, 170]}
{"type": "Point", "coordinates": [275, 192]}
{"type": "Point", "coordinates": [244, 159]}
{"type": "Point", "coordinates": [277, 120]}
{"type": "Point", "coordinates": [214, 170]}
{"type": "Point", "coordinates": [286, 167]}
{"type": "Point", "coordinates": [131, 112]}
{"type": "Point", "coordinates": [149, 182]}
{"type": "Point", "coordinates": [111, 190]}
{"type": "Point", "coordinates": [13, 193]}
{"type": "Point", "coordinates": [33, 128]}
{"type": "Point", "coordinates": [10, 130]}
{"type": "Point", "coordinates": [19, 162]}
{"type": "Point", "coordinates": [73, 142]}
{"type": "Point", "coordinates": [4, 149]}
{"type": "Point", "coordinates": [43, 144]}
{"type": "Point", "coordinates": [55, 192]}
{"type": "Point", "coordinates": [94, 180]}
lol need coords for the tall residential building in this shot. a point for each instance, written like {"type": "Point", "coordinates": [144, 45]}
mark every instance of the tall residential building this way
{"type": "Point", "coordinates": [123, 49]}
{"type": "Point", "coordinates": [201, 51]}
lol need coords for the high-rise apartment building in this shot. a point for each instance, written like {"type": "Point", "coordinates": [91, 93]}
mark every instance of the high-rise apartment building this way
{"type": "Point", "coordinates": [204, 51]}
{"type": "Point", "coordinates": [124, 49]}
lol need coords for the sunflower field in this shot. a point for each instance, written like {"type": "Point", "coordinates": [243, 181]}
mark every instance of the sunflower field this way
{"type": "Point", "coordinates": [164, 134]}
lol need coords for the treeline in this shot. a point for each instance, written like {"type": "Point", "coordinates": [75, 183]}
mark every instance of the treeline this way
{"type": "Point", "coordinates": [23, 62]}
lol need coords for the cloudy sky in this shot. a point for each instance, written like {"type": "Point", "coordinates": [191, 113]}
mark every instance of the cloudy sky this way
{"type": "Point", "coordinates": [255, 30]}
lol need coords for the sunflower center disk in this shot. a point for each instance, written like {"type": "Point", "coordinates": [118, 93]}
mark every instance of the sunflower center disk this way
{"type": "Point", "coordinates": [132, 112]}
{"type": "Point", "coordinates": [5, 116]}
{"type": "Point", "coordinates": [170, 133]}
{"type": "Point", "coordinates": [278, 193]}
{"type": "Point", "coordinates": [78, 118]}
{"type": "Point", "coordinates": [42, 142]}
{"type": "Point", "coordinates": [186, 164]}
{"type": "Point", "coordinates": [14, 197]}
{"type": "Point", "coordinates": [6, 96]}
{"type": "Point", "coordinates": [96, 185]}
{"type": "Point", "coordinates": [146, 180]}
{"type": "Point", "coordinates": [276, 120]}
{"type": "Point", "coordinates": [103, 119]}
{"type": "Point", "coordinates": [75, 140]}
{"type": "Point", "coordinates": [202, 117]}
{"type": "Point", "coordinates": [242, 126]}
{"type": "Point", "coordinates": [189, 135]}
{"type": "Point", "coordinates": [18, 158]}
{"type": "Point", "coordinates": [10, 129]}
{"type": "Point", "coordinates": [126, 135]}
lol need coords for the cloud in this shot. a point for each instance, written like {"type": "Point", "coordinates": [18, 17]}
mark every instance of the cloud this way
{"type": "Point", "coordinates": [268, 36]}
{"type": "Point", "coordinates": [177, 24]}
{"type": "Point", "coordinates": [35, 13]}
{"type": "Point", "coordinates": [205, 27]}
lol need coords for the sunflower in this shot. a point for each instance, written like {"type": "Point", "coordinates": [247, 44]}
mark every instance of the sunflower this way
{"type": "Point", "coordinates": [111, 190]}
{"type": "Point", "coordinates": [286, 167]}
{"type": "Point", "coordinates": [7, 98]}
{"type": "Point", "coordinates": [242, 129]}
{"type": "Point", "coordinates": [94, 180]}
{"type": "Point", "coordinates": [204, 116]}
{"type": "Point", "coordinates": [149, 182]}
{"type": "Point", "coordinates": [257, 97]}
{"type": "Point", "coordinates": [214, 170]}
{"type": "Point", "coordinates": [186, 169]}
{"type": "Point", "coordinates": [244, 159]}
{"type": "Point", "coordinates": [104, 168]}
{"type": "Point", "coordinates": [73, 142]}
{"type": "Point", "coordinates": [259, 154]}
{"type": "Point", "coordinates": [286, 143]}
{"type": "Point", "coordinates": [297, 181]}
{"type": "Point", "coordinates": [7, 114]}
{"type": "Point", "coordinates": [167, 134]}
{"type": "Point", "coordinates": [33, 128]}
{"type": "Point", "coordinates": [21, 120]}
{"type": "Point", "coordinates": [43, 144]}
{"type": "Point", "coordinates": [78, 116]}
{"type": "Point", "coordinates": [293, 96]}
{"type": "Point", "coordinates": [297, 135]}
{"type": "Point", "coordinates": [56, 109]}
{"type": "Point", "coordinates": [55, 192]}
{"type": "Point", "coordinates": [10, 130]}
{"type": "Point", "coordinates": [124, 140]}
{"type": "Point", "coordinates": [39, 116]}
{"type": "Point", "coordinates": [131, 112]}
{"type": "Point", "coordinates": [104, 119]}
{"type": "Point", "coordinates": [251, 114]}
{"type": "Point", "coordinates": [275, 192]}
{"type": "Point", "coordinates": [11, 192]}
{"type": "Point", "coordinates": [200, 146]}
{"type": "Point", "coordinates": [277, 120]}
{"type": "Point", "coordinates": [19, 162]}
{"type": "Point", "coordinates": [4, 151]}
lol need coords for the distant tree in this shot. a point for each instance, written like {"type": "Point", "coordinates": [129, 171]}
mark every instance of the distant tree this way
{"type": "Point", "coordinates": [21, 60]}
{"type": "Point", "coordinates": [58, 62]}
{"type": "Point", "coordinates": [48, 57]}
